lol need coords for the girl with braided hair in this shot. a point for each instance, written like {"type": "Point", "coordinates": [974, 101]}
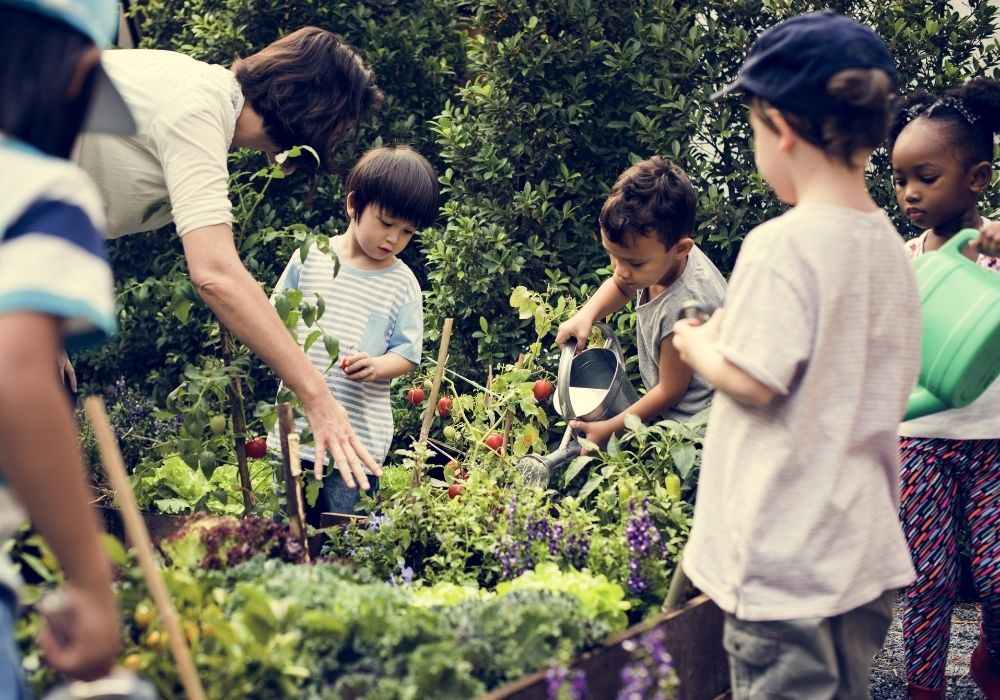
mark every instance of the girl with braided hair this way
{"type": "Point", "coordinates": [942, 149]}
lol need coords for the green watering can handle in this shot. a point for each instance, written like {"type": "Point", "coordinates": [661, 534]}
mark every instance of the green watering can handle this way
{"type": "Point", "coordinates": [923, 403]}
{"type": "Point", "coordinates": [957, 244]}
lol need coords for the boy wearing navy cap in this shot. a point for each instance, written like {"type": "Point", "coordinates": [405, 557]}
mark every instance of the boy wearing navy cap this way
{"type": "Point", "coordinates": [795, 532]}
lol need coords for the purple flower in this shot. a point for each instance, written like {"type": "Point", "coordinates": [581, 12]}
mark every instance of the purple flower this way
{"type": "Point", "coordinates": [555, 680]}
{"type": "Point", "coordinates": [651, 673]}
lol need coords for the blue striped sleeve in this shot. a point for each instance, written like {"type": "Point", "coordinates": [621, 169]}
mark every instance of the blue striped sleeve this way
{"type": "Point", "coordinates": [407, 337]}
{"type": "Point", "coordinates": [53, 261]}
{"type": "Point", "coordinates": [59, 219]}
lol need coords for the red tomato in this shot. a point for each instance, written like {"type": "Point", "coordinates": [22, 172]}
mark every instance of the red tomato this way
{"type": "Point", "coordinates": [454, 490]}
{"type": "Point", "coordinates": [256, 448]}
{"type": "Point", "coordinates": [494, 441]}
{"type": "Point", "coordinates": [542, 390]}
{"type": "Point", "coordinates": [415, 396]}
{"type": "Point", "coordinates": [444, 406]}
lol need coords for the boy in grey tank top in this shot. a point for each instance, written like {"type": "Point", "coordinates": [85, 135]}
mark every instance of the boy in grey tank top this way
{"type": "Point", "coordinates": [646, 224]}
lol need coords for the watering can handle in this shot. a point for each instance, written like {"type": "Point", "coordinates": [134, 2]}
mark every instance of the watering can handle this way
{"type": "Point", "coordinates": [958, 242]}
{"type": "Point", "coordinates": [610, 340]}
{"type": "Point", "coordinates": [565, 369]}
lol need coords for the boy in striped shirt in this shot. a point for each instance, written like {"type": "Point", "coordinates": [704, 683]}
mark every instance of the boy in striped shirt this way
{"type": "Point", "coordinates": [795, 532]}
{"type": "Point", "coordinates": [373, 304]}
{"type": "Point", "coordinates": [55, 291]}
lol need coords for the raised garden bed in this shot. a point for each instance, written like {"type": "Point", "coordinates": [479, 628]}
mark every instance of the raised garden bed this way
{"type": "Point", "coordinates": [692, 635]}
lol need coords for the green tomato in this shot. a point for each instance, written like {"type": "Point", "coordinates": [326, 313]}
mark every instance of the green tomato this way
{"type": "Point", "coordinates": [450, 433]}
{"type": "Point", "coordinates": [217, 424]}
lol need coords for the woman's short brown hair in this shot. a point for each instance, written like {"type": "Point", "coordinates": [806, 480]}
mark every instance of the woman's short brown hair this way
{"type": "Point", "coordinates": [860, 124]}
{"type": "Point", "coordinates": [310, 88]}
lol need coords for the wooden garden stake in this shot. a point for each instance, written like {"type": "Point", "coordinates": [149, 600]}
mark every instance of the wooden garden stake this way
{"type": "Point", "coordinates": [138, 537]}
{"type": "Point", "coordinates": [508, 420]}
{"type": "Point", "coordinates": [425, 428]}
{"type": "Point", "coordinates": [236, 410]}
{"type": "Point", "coordinates": [293, 473]}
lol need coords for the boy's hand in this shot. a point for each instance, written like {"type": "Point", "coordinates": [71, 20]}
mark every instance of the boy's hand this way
{"type": "Point", "coordinates": [690, 335]}
{"type": "Point", "coordinates": [598, 431]}
{"type": "Point", "coordinates": [359, 367]}
{"type": "Point", "coordinates": [988, 242]}
{"type": "Point", "coordinates": [575, 327]}
{"type": "Point", "coordinates": [85, 637]}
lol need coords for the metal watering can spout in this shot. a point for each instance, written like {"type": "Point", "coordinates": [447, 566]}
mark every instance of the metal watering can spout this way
{"type": "Point", "coordinates": [960, 329]}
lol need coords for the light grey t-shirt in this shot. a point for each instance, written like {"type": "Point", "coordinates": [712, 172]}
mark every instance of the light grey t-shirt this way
{"type": "Point", "coordinates": [701, 281]}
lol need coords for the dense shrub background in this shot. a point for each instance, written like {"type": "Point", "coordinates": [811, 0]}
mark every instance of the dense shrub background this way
{"type": "Point", "coordinates": [530, 109]}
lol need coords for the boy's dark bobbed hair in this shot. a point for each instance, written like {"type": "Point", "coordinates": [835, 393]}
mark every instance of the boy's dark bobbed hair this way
{"type": "Point", "coordinates": [398, 180]}
{"type": "Point", "coordinates": [970, 114]}
{"type": "Point", "coordinates": [652, 195]}
{"type": "Point", "coordinates": [310, 88]}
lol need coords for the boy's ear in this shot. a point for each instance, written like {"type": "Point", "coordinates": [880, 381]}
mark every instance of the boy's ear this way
{"type": "Point", "coordinates": [980, 176]}
{"type": "Point", "coordinates": [349, 205]}
{"type": "Point", "coordinates": [786, 135]}
{"type": "Point", "coordinates": [684, 246]}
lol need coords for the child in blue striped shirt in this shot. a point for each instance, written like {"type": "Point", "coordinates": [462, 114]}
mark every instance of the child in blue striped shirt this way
{"type": "Point", "coordinates": [373, 304]}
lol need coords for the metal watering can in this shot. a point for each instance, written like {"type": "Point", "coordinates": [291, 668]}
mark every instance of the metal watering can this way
{"type": "Point", "coordinates": [600, 370]}
{"type": "Point", "coordinates": [960, 329]}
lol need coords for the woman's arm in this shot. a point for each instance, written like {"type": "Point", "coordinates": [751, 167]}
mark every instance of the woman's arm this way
{"type": "Point", "coordinates": [237, 299]}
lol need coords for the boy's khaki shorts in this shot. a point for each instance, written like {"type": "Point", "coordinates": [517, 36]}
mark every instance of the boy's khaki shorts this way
{"type": "Point", "coordinates": [811, 658]}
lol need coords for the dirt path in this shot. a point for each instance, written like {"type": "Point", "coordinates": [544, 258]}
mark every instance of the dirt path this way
{"type": "Point", "coordinates": [888, 681]}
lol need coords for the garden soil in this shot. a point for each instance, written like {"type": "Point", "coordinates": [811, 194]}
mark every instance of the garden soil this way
{"type": "Point", "coordinates": [888, 680]}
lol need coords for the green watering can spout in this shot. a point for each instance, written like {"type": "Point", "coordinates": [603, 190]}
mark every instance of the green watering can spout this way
{"type": "Point", "coordinates": [923, 403]}
{"type": "Point", "coordinates": [960, 329]}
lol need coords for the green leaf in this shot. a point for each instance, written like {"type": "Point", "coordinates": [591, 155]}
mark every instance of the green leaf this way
{"type": "Point", "coordinates": [332, 346]}
{"type": "Point", "coordinates": [310, 339]}
{"type": "Point", "coordinates": [575, 467]}
{"type": "Point", "coordinates": [591, 486]}
{"type": "Point", "coordinates": [683, 456]}
{"type": "Point", "coordinates": [633, 422]}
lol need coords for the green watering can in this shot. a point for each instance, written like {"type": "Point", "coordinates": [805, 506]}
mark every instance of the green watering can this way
{"type": "Point", "coordinates": [960, 329]}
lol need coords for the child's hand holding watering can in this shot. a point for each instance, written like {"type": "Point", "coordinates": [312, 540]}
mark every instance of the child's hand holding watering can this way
{"type": "Point", "coordinates": [988, 242]}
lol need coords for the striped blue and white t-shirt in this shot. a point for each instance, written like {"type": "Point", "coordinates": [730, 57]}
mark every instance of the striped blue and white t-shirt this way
{"type": "Point", "coordinates": [52, 260]}
{"type": "Point", "coordinates": [372, 311]}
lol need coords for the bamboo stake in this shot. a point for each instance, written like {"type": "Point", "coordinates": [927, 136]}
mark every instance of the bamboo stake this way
{"type": "Point", "coordinates": [425, 428]}
{"type": "Point", "coordinates": [293, 474]}
{"type": "Point", "coordinates": [236, 410]}
{"type": "Point", "coordinates": [138, 536]}
{"type": "Point", "coordinates": [508, 420]}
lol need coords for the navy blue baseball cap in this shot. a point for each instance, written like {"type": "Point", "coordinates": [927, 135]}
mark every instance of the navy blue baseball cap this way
{"type": "Point", "coordinates": [790, 64]}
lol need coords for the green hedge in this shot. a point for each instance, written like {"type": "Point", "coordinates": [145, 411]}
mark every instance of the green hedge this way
{"type": "Point", "coordinates": [568, 93]}
{"type": "Point", "coordinates": [530, 109]}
